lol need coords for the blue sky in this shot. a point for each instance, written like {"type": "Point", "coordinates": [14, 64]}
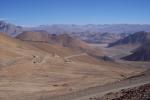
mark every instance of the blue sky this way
{"type": "Point", "coordinates": [37, 12]}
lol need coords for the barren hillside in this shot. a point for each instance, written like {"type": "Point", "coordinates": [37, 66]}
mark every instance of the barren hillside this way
{"type": "Point", "coordinates": [28, 68]}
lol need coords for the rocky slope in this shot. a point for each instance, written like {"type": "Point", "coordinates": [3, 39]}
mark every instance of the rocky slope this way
{"type": "Point", "coordinates": [137, 93]}
{"type": "Point", "coordinates": [140, 54]}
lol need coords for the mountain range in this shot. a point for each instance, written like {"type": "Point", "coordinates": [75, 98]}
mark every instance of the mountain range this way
{"type": "Point", "coordinates": [105, 33]}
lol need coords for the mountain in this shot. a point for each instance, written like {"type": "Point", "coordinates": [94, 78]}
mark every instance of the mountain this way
{"type": "Point", "coordinates": [104, 37]}
{"type": "Point", "coordinates": [65, 40]}
{"type": "Point", "coordinates": [41, 36]}
{"type": "Point", "coordinates": [140, 54]}
{"type": "Point", "coordinates": [137, 38]}
{"type": "Point", "coordinates": [61, 39]}
{"type": "Point", "coordinates": [10, 29]}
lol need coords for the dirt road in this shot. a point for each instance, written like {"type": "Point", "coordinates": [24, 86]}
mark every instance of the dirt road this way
{"type": "Point", "coordinates": [77, 55]}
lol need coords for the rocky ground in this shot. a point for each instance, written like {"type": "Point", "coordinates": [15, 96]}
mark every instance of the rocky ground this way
{"type": "Point", "coordinates": [137, 93]}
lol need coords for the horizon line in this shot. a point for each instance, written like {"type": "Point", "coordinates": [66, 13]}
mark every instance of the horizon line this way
{"type": "Point", "coordinates": [9, 22]}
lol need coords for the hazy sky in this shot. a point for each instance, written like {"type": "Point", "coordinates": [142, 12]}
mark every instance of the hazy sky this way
{"type": "Point", "coordinates": [36, 12]}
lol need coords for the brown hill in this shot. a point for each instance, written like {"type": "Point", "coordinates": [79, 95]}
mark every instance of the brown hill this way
{"type": "Point", "coordinates": [34, 36]}
{"type": "Point", "coordinates": [67, 41]}
{"type": "Point", "coordinates": [62, 39]}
